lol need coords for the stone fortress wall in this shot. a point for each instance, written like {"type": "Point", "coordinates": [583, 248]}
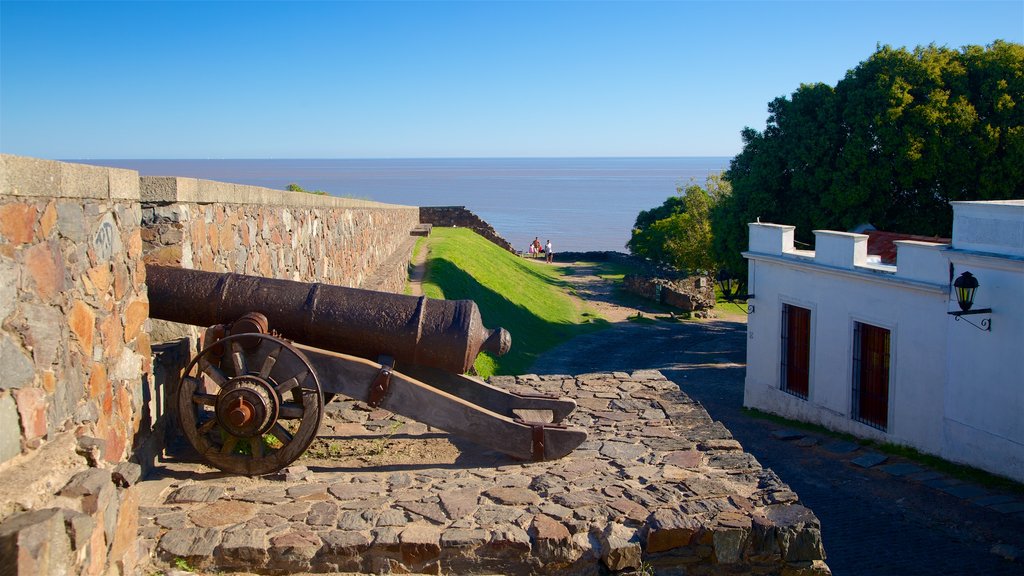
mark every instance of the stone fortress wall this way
{"type": "Point", "coordinates": [76, 359]}
{"type": "Point", "coordinates": [79, 396]}
{"type": "Point", "coordinates": [448, 216]}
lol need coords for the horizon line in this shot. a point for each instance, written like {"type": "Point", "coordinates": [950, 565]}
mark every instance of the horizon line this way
{"type": "Point", "coordinates": [396, 158]}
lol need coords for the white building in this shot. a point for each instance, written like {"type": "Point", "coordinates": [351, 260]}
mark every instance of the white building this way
{"type": "Point", "coordinates": [840, 340]}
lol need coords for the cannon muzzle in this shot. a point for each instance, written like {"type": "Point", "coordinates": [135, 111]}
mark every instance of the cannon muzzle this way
{"type": "Point", "coordinates": [446, 334]}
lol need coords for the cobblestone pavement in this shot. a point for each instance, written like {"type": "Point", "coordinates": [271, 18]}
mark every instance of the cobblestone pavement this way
{"type": "Point", "coordinates": [656, 482]}
{"type": "Point", "coordinates": [879, 515]}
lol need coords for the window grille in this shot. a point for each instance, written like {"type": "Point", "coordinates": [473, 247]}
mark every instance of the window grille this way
{"type": "Point", "coordinates": [796, 350]}
{"type": "Point", "coordinates": [871, 375]}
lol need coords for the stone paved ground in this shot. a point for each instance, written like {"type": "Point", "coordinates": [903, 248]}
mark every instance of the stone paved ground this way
{"type": "Point", "coordinates": [885, 519]}
{"type": "Point", "coordinates": [658, 483]}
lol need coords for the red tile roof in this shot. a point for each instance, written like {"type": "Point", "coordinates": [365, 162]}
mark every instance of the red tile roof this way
{"type": "Point", "coordinates": [881, 243]}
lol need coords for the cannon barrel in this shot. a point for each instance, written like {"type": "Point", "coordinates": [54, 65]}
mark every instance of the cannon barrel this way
{"type": "Point", "coordinates": [446, 334]}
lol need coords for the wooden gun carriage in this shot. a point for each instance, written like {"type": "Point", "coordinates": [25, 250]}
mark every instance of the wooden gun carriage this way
{"type": "Point", "coordinates": [250, 402]}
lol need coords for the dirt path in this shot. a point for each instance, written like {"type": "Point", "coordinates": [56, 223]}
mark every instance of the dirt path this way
{"type": "Point", "coordinates": [418, 271]}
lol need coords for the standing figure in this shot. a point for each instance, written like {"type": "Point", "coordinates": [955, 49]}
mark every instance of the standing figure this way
{"type": "Point", "coordinates": [548, 252]}
{"type": "Point", "coordinates": [536, 246]}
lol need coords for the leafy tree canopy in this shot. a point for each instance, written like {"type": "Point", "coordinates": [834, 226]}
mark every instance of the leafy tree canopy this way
{"type": "Point", "coordinates": [678, 232]}
{"type": "Point", "coordinates": [902, 135]}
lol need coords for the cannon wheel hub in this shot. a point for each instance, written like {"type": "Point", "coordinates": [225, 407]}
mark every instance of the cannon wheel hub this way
{"type": "Point", "coordinates": [247, 406]}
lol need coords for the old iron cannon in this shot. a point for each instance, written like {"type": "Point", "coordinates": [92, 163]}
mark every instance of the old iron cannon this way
{"type": "Point", "coordinates": [250, 402]}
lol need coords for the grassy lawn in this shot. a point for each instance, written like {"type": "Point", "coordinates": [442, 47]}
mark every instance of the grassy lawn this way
{"type": "Point", "coordinates": [528, 298]}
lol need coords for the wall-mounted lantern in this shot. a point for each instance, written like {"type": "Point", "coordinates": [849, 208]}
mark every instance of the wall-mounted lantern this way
{"type": "Point", "coordinates": [965, 286]}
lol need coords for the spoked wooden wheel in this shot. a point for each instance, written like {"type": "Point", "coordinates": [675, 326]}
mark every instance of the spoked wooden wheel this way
{"type": "Point", "coordinates": [250, 404]}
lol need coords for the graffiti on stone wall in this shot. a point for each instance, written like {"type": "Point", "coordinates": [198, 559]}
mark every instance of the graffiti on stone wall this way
{"type": "Point", "coordinates": [107, 240]}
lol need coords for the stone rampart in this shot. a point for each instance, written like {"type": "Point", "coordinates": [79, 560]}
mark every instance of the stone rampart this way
{"type": "Point", "coordinates": [224, 227]}
{"type": "Point", "coordinates": [80, 397]}
{"type": "Point", "coordinates": [76, 357]}
{"type": "Point", "coordinates": [448, 216]}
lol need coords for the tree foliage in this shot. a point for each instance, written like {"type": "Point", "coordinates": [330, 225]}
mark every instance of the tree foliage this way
{"type": "Point", "coordinates": [678, 232]}
{"type": "Point", "coordinates": [296, 188]}
{"type": "Point", "coordinates": [898, 138]}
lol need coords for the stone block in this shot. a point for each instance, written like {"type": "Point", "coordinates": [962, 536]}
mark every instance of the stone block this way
{"type": "Point", "coordinates": [126, 474]}
{"type": "Point", "coordinates": [18, 368]}
{"type": "Point", "coordinates": [91, 448]}
{"type": "Point", "coordinates": [293, 551]}
{"type": "Point", "coordinates": [65, 398]}
{"type": "Point", "coordinates": [166, 189]}
{"type": "Point", "coordinates": [243, 547]}
{"type": "Point", "coordinates": [71, 221]}
{"type": "Point", "coordinates": [43, 332]}
{"type": "Point", "coordinates": [667, 529]}
{"type": "Point", "coordinates": [189, 542]}
{"type": "Point", "coordinates": [620, 547]}
{"type": "Point", "coordinates": [10, 279]}
{"type": "Point", "coordinates": [17, 222]}
{"type": "Point", "coordinates": [82, 321]}
{"type": "Point", "coordinates": [5, 184]}
{"type": "Point", "coordinates": [35, 544]}
{"type": "Point", "coordinates": [222, 513]}
{"type": "Point", "coordinates": [47, 220]}
{"type": "Point", "coordinates": [123, 184]}
{"type": "Point", "coordinates": [552, 542]}
{"type": "Point", "coordinates": [83, 181]}
{"type": "Point", "coordinates": [322, 514]}
{"type": "Point", "coordinates": [512, 496]}
{"type": "Point", "coordinates": [464, 538]}
{"type": "Point", "coordinates": [508, 542]}
{"type": "Point", "coordinates": [31, 176]}
{"type": "Point", "coordinates": [80, 528]}
{"type": "Point", "coordinates": [869, 459]}
{"type": "Point", "coordinates": [10, 430]}
{"type": "Point", "coordinates": [45, 266]}
{"type": "Point", "coordinates": [419, 544]}
{"type": "Point", "coordinates": [106, 241]}
{"type": "Point", "coordinates": [729, 545]}
{"type": "Point", "coordinates": [166, 256]}
{"type": "Point", "coordinates": [32, 403]}
{"type": "Point", "coordinates": [126, 528]}
{"type": "Point", "coordinates": [95, 489]}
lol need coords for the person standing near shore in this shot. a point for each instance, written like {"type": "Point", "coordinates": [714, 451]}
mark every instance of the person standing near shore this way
{"type": "Point", "coordinates": [547, 252]}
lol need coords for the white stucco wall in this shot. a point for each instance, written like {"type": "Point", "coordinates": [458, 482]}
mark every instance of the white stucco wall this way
{"type": "Point", "coordinates": [984, 418]}
{"type": "Point", "coordinates": [954, 391]}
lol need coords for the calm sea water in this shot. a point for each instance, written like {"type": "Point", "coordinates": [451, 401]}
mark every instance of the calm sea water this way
{"type": "Point", "coordinates": [579, 204]}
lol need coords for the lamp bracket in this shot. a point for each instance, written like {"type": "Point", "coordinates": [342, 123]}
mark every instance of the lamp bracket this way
{"type": "Point", "coordinates": [986, 323]}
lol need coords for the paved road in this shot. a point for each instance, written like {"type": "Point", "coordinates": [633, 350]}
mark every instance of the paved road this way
{"type": "Point", "coordinates": [873, 522]}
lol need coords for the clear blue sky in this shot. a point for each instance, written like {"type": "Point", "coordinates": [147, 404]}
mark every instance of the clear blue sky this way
{"type": "Point", "coordinates": [90, 80]}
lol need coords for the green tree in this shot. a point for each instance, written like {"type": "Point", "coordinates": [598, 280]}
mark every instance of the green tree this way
{"type": "Point", "coordinates": [898, 138]}
{"type": "Point", "coordinates": [648, 241]}
{"type": "Point", "coordinates": [681, 236]}
{"type": "Point", "coordinates": [296, 188]}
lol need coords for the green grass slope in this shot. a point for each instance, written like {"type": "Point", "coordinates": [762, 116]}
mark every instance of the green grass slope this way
{"type": "Point", "coordinates": [526, 297]}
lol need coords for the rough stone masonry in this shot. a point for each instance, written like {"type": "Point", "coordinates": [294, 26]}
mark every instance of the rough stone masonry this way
{"type": "Point", "coordinates": [659, 486]}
